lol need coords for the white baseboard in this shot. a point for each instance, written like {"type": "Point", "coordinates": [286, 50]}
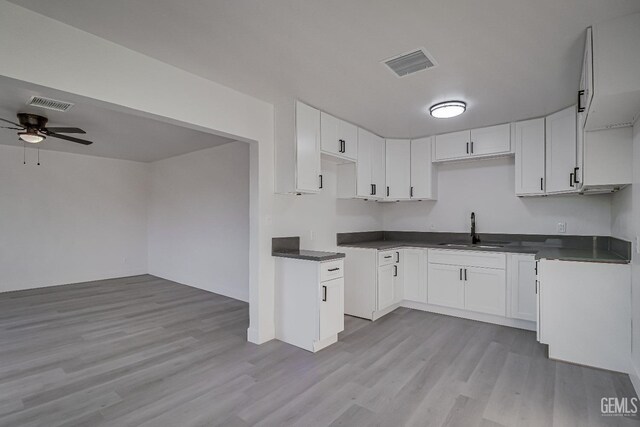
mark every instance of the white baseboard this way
{"type": "Point", "coordinates": [481, 317]}
{"type": "Point", "coordinates": [253, 336]}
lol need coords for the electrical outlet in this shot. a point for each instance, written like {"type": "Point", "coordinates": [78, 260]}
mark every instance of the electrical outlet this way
{"type": "Point", "coordinates": [638, 244]}
{"type": "Point", "coordinates": [562, 227]}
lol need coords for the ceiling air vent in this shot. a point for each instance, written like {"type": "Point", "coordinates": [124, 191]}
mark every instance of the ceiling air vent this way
{"type": "Point", "coordinates": [50, 104]}
{"type": "Point", "coordinates": [409, 63]}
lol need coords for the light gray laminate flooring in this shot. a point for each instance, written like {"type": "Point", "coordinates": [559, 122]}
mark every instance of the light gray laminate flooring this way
{"type": "Point", "coordinates": [147, 351]}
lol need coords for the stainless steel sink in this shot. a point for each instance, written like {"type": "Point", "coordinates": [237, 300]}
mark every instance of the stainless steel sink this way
{"type": "Point", "coordinates": [470, 245]}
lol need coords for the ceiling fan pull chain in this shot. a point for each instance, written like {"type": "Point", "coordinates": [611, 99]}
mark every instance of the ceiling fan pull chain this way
{"type": "Point", "coordinates": [24, 153]}
{"type": "Point", "coordinates": [38, 156]}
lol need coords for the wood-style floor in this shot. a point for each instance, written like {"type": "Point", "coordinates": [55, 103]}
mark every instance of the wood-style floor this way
{"type": "Point", "coordinates": [146, 351]}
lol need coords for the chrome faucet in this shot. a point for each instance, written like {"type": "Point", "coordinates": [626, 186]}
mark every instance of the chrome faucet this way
{"type": "Point", "coordinates": [474, 237]}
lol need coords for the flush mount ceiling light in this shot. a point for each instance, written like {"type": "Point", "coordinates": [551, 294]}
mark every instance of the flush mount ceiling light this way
{"type": "Point", "coordinates": [31, 136]}
{"type": "Point", "coordinates": [447, 110]}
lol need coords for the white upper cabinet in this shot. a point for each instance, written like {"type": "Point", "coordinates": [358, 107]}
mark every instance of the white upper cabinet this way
{"type": "Point", "coordinates": [585, 93]}
{"type": "Point", "coordinates": [491, 141]}
{"type": "Point", "coordinates": [452, 146]}
{"type": "Point", "coordinates": [398, 169]}
{"type": "Point", "coordinates": [338, 138]}
{"type": "Point", "coordinates": [530, 156]}
{"type": "Point", "coordinates": [423, 177]}
{"type": "Point", "coordinates": [611, 79]}
{"type": "Point", "coordinates": [561, 151]}
{"type": "Point", "coordinates": [308, 176]}
{"type": "Point", "coordinates": [370, 173]}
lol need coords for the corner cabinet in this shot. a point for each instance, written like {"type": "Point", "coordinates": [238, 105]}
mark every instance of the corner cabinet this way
{"type": "Point", "coordinates": [529, 141]}
{"type": "Point", "coordinates": [364, 179]}
{"type": "Point", "coordinates": [338, 138]}
{"type": "Point", "coordinates": [308, 175]}
{"type": "Point", "coordinates": [424, 185]}
{"type": "Point", "coordinates": [398, 169]}
{"type": "Point", "coordinates": [492, 141]}
{"type": "Point", "coordinates": [309, 302]}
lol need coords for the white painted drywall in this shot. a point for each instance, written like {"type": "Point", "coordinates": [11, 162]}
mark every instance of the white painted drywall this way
{"type": "Point", "coordinates": [199, 219]}
{"type": "Point", "coordinates": [625, 224]}
{"type": "Point", "coordinates": [486, 187]}
{"type": "Point", "coordinates": [104, 72]}
{"type": "Point", "coordinates": [316, 218]}
{"type": "Point", "coordinates": [74, 218]}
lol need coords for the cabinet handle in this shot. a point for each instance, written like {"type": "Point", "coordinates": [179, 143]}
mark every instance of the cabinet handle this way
{"type": "Point", "coordinates": [342, 145]}
{"type": "Point", "coordinates": [333, 269]}
{"type": "Point", "coordinates": [471, 147]}
{"type": "Point", "coordinates": [395, 271]}
{"type": "Point", "coordinates": [536, 268]}
{"type": "Point", "coordinates": [324, 293]}
{"type": "Point", "coordinates": [410, 191]}
{"type": "Point", "coordinates": [580, 107]}
{"type": "Point", "coordinates": [541, 184]}
{"type": "Point", "coordinates": [387, 257]}
{"type": "Point", "coordinates": [465, 274]}
{"type": "Point", "coordinates": [571, 179]}
{"type": "Point", "coordinates": [460, 274]}
{"type": "Point", "coordinates": [575, 175]}
{"type": "Point", "coordinates": [397, 256]}
{"type": "Point", "coordinates": [320, 181]}
{"type": "Point", "coordinates": [387, 191]}
{"type": "Point", "coordinates": [537, 287]}
{"type": "Point", "coordinates": [467, 148]}
{"type": "Point", "coordinates": [373, 190]}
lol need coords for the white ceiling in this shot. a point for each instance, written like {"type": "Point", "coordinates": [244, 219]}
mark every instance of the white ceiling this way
{"type": "Point", "coordinates": [509, 59]}
{"type": "Point", "coordinates": [114, 134]}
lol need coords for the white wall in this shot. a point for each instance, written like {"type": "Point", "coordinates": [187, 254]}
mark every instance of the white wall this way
{"type": "Point", "coordinates": [199, 219]}
{"type": "Point", "coordinates": [626, 225]}
{"type": "Point", "coordinates": [486, 187]}
{"type": "Point", "coordinates": [72, 219]}
{"type": "Point", "coordinates": [323, 215]}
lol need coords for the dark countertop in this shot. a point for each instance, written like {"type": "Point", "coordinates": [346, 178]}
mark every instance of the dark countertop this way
{"type": "Point", "coordinates": [289, 247]}
{"type": "Point", "coordinates": [309, 255]}
{"type": "Point", "coordinates": [565, 248]}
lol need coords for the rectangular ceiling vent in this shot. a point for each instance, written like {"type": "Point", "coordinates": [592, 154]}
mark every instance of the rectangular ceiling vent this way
{"type": "Point", "coordinates": [49, 104]}
{"type": "Point", "coordinates": [411, 62]}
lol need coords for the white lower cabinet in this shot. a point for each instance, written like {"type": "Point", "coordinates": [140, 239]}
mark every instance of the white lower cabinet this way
{"type": "Point", "coordinates": [480, 287]}
{"type": "Point", "coordinates": [522, 271]}
{"type": "Point", "coordinates": [385, 286]}
{"type": "Point", "coordinates": [446, 285]}
{"type": "Point", "coordinates": [414, 273]}
{"type": "Point", "coordinates": [585, 313]}
{"type": "Point", "coordinates": [309, 302]}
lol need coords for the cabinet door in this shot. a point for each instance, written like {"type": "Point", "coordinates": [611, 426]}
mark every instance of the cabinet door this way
{"type": "Point", "coordinates": [348, 133]}
{"type": "Point", "coordinates": [490, 140]}
{"type": "Point", "coordinates": [398, 277]}
{"type": "Point", "coordinates": [329, 141]}
{"type": "Point", "coordinates": [423, 180]}
{"type": "Point", "coordinates": [378, 167]}
{"type": "Point", "coordinates": [415, 275]}
{"type": "Point", "coordinates": [586, 81]}
{"type": "Point", "coordinates": [331, 307]}
{"type": "Point", "coordinates": [485, 290]}
{"type": "Point", "coordinates": [366, 147]}
{"type": "Point", "coordinates": [452, 145]}
{"type": "Point", "coordinates": [398, 167]}
{"type": "Point", "coordinates": [307, 149]}
{"type": "Point", "coordinates": [523, 287]}
{"type": "Point", "coordinates": [446, 285]}
{"type": "Point", "coordinates": [386, 286]}
{"type": "Point", "coordinates": [561, 151]}
{"type": "Point", "coordinates": [529, 145]}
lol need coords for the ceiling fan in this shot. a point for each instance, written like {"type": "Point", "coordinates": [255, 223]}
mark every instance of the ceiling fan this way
{"type": "Point", "coordinates": [33, 129]}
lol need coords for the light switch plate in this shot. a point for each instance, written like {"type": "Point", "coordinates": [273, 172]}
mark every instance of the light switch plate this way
{"type": "Point", "coordinates": [562, 227]}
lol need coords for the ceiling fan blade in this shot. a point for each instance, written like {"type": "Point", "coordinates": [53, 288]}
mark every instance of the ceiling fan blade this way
{"type": "Point", "coordinates": [15, 124]}
{"type": "Point", "coordinates": [69, 138]}
{"type": "Point", "coordinates": [65, 130]}
{"type": "Point", "coordinates": [7, 127]}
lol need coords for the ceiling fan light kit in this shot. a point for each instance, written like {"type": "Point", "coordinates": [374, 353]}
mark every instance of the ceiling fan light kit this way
{"type": "Point", "coordinates": [33, 129]}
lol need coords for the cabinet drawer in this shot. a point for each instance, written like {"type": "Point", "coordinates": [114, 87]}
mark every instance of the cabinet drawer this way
{"type": "Point", "coordinates": [331, 270]}
{"type": "Point", "coordinates": [387, 257]}
{"type": "Point", "coordinates": [468, 258]}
